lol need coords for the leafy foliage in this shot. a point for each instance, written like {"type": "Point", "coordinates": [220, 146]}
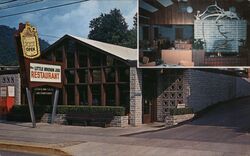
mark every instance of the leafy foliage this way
{"type": "Point", "coordinates": [21, 113]}
{"type": "Point", "coordinates": [8, 48]}
{"type": "Point", "coordinates": [112, 28]}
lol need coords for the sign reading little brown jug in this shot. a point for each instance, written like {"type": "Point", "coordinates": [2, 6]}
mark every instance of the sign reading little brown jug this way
{"type": "Point", "coordinates": [34, 71]}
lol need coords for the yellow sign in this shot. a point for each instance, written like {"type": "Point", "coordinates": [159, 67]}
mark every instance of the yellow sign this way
{"type": "Point", "coordinates": [30, 42]}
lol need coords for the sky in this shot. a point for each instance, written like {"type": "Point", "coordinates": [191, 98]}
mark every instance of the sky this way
{"type": "Point", "coordinates": [73, 19]}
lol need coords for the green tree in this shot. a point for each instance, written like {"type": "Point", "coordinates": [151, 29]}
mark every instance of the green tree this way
{"type": "Point", "coordinates": [132, 35]}
{"type": "Point", "coordinates": [110, 28]}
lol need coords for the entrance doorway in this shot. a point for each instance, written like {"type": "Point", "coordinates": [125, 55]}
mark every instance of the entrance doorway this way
{"type": "Point", "coordinates": [149, 93]}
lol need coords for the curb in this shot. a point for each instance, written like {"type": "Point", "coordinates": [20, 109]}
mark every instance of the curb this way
{"type": "Point", "coordinates": [15, 146]}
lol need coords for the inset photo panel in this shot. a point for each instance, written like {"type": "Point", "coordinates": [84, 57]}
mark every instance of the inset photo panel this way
{"type": "Point", "coordinates": [194, 33]}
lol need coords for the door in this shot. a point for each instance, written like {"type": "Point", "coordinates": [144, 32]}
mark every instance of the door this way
{"type": "Point", "coordinates": [148, 111]}
{"type": "Point", "coordinates": [149, 91]}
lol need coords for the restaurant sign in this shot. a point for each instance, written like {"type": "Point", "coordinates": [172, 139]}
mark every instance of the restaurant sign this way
{"type": "Point", "coordinates": [45, 73]}
{"type": "Point", "coordinates": [30, 42]}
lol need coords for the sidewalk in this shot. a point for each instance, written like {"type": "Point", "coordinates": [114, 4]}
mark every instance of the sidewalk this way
{"type": "Point", "coordinates": [80, 141]}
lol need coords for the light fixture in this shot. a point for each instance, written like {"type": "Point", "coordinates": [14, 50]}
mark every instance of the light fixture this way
{"type": "Point", "coordinates": [189, 9]}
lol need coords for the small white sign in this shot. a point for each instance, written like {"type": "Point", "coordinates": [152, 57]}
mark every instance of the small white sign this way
{"type": "Point", "coordinates": [11, 91]}
{"type": "Point", "coordinates": [45, 73]}
{"type": "Point", "coordinates": [3, 91]}
{"type": "Point", "coordinates": [182, 105]}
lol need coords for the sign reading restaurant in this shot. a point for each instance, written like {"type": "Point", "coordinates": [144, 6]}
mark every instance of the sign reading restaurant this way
{"type": "Point", "coordinates": [45, 73]}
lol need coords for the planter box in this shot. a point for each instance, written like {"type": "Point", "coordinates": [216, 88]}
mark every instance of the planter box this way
{"type": "Point", "coordinates": [118, 121]}
{"type": "Point", "coordinates": [176, 119]}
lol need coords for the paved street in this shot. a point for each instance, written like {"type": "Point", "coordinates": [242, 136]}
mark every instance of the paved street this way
{"type": "Point", "coordinates": [223, 131]}
{"type": "Point", "coordinates": [8, 153]}
{"type": "Point", "coordinates": [228, 123]}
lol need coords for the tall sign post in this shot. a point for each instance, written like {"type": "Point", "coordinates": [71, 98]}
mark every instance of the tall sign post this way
{"type": "Point", "coordinates": [34, 71]}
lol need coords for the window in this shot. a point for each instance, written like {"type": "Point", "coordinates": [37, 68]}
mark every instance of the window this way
{"type": "Point", "coordinates": [96, 75]}
{"type": "Point", "coordinates": [70, 54]}
{"type": "Point", "coordinates": [59, 54]}
{"type": "Point", "coordinates": [110, 74]}
{"type": "Point", "coordinates": [124, 96]}
{"type": "Point", "coordinates": [110, 61]}
{"type": "Point", "coordinates": [124, 75]}
{"type": "Point", "coordinates": [110, 95]}
{"type": "Point", "coordinates": [70, 75]}
{"type": "Point", "coordinates": [96, 95]}
{"type": "Point", "coordinates": [83, 55]}
{"type": "Point", "coordinates": [95, 59]}
{"type": "Point", "coordinates": [83, 75]}
{"type": "Point", "coordinates": [145, 31]}
{"type": "Point", "coordinates": [83, 95]}
{"type": "Point", "coordinates": [71, 95]}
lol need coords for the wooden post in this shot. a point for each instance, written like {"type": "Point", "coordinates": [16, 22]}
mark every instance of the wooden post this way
{"type": "Point", "coordinates": [117, 91]}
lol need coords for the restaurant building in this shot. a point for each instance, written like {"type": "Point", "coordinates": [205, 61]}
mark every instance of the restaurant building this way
{"type": "Point", "coordinates": [101, 74]}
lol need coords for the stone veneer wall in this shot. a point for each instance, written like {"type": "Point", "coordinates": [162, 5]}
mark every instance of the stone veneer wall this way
{"type": "Point", "coordinates": [15, 81]}
{"type": "Point", "coordinates": [207, 88]}
{"type": "Point", "coordinates": [176, 119]}
{"type": "Point", "coordinates": [135, 96]}
{"type": "Point", "coordinates": [119, 121]}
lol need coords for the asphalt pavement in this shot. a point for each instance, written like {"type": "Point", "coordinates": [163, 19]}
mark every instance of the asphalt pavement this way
{"type": "Point", "coordinates": [12, 153]}
{"type": "Point", "coordinates": [222, 131]}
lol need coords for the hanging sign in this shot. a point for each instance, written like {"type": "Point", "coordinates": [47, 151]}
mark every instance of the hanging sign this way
{"type": "Point", "coordinates": [30, 42]}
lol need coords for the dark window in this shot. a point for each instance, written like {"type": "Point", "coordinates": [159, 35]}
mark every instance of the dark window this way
{"type": "Point", "coordinates": [179, 33]}
{"type": "Point", "coordinates": [145, 31]}
{"type": "Point", "coordinates": [83, 94]}
{"type": "Point", "coordinates": [71, 95]}
{"type": "Point", "coordinates": [96, 75]}
{"type": "Point", "coordinates": [83, 55]}
{"type": "Point", "coordinates": [124, 96]}
{"type": "Point", "coordinates": [124, 74]}
{"type": "Point", "coordinates": [95, 59]}
{"type": "Point", "coordinates": [110, 95]}
{"type": "Point", "coordinates": [70, 75]}
{"type": "Point", "coordinates": [70, 54]}
{"type": "Point", "coordinates": [59, 54]}
{"type": "Point", "coordinates": [96, 95]}
{"type": "Point", "coordinates": [83, 75]}
{"type": "Point", "coordinates": [110, 74]}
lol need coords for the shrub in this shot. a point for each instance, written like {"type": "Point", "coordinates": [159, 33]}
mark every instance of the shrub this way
{"type": "Point", "coordinates": [181, 111]}
{"type": "Point", "coordinates": [116, 111]}
{"type": "Point", "coordinates": [22, 113]}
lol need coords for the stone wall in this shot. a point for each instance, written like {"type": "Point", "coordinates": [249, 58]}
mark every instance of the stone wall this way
{"type": "Point", "coordinates": [207, 88]}
{"type": "Point", "coordinates": [12, 80]}
{"type": "Point", "coordinates": [176, 119]}
{"type": "Point", "coordinates": [135, 96]}
{"type": "Point", "coordinates": [119, 121]}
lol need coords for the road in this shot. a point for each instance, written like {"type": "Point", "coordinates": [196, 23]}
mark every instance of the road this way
{"type": "Point", "coordinates": [227, 123]}
{"type": "Point", "coordinates": [222, 131]}
{"type": "Point", "coordinates": [11, 153]}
